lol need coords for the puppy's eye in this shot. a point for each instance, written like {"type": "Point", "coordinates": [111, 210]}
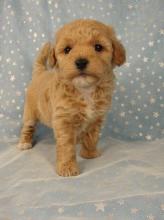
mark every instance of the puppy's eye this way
{"type": "Point", "coordinates": [98, 47]}
{"type": "Point", "coordinates": [67, 49]}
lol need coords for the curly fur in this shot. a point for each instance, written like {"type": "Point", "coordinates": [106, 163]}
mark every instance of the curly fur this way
{"type": "Point", "coordinates": [73, 105]}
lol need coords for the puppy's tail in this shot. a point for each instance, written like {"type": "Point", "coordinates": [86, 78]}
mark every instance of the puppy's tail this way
{"type": "Point", "coordinates": [40, 64]}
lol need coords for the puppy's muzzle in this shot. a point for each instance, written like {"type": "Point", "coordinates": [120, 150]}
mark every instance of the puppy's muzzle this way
{"type": "Point", "coordinates": [81, 63]}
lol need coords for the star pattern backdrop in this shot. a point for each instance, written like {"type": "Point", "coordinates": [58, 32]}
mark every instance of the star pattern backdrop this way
{"type": "Point", "coordinates": [138, 105]}
{"type": "Point", "coordinates": [130, 175]}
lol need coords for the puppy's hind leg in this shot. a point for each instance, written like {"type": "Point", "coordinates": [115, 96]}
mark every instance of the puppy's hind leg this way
{"type": "Point", "coordinates": [29, 122]}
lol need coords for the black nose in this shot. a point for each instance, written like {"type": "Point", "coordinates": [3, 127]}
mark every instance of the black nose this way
{"type": "Point", "coordinates": [81, 63]}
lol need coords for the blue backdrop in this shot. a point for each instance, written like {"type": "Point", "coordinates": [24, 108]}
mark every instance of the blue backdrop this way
{"type": "Point", "coordinates": [127, 181]}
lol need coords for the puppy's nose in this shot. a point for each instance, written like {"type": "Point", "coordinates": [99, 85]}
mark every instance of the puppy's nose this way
{"type": "Point", "coordinates": [81, 63]}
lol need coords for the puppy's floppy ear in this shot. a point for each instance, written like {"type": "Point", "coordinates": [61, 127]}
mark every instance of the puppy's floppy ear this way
{"type": "Point", "coordinates": [119, 54]}
{"type": "Point", "coordinates": [51, 57]}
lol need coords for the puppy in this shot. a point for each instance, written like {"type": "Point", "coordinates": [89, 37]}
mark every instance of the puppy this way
{"type": "Point", "coordinates": [73, 95]}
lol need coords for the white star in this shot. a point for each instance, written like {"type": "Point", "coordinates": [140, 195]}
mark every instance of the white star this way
{"type": "Point", "coordinates": [121, 202]}
{"type": "Point", "coordinates": [122, 88]}
{"type": "Point", "coordinates": [134, 210]}
{"type": "Point", "coordinates": [60, 210]}
{"type": "Point", "coordinates": [133, 102]}
{"type": "Point", "coordinates": [161, 31]}
{"type": "Point", "coordinates": [155, 114]}
{"type": "Point", "coordinates": [127, 64]}
{"type": "Point", "coordinates": [161, 64]}
{"type": "Point", "coordinates": [110, 5]}
{"type": "Point", "coordinates": [8, 60]}
{"type": "Point", "coordinates": [58, 19]}
{"type": "Point", "coordinates": [35, 35]}
{"type": "Point", "coordinates": [1, 115]}
{"type": "Point", "coordinates": [162, 207]}
{"type": "Point", "coordinates": [12, 13]}
{"type": "Point", "coordinates": [18, 93]}
{"type": "Point", "coordinates": [138, 70]}
{"type": "Point", "coordinates": [151, 43]}
{"type": "Point", "coordinates": [12, 77]}
{"type": "Point", "coordinates": [30, 19]}
{"type": "Point", "coordinates": [146, 117]}
{"type": "Point", "coordinates": [130, 6]}
{"type": "Point", "coordinates": [100, 207]}
{"type": "Point", "coordinates": [152, 100]}
{"type": "Point", "coordinates": [122, 114]}
{"type": "Point", "coordinates": [150, 217]}
{"type": "Point", "coordinates": [119, 37]}
{"type": "Point", "coordinates": [148, 137]}
{"type": "Point", "coordinates": [157, 124]}
{"type": "Point", "coordinates": [117, 83]}
{"type": "Point", "coordinates": [145, 59]}
{"type": "Point", "coordinates": [143, 85]}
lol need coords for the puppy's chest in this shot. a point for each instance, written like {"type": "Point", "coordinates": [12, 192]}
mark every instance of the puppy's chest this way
{"type": "Point", "coordinates": [89, 109]}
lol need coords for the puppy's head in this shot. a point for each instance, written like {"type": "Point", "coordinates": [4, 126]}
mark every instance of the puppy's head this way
{"type": "Point", "coordinates": [85, 51]}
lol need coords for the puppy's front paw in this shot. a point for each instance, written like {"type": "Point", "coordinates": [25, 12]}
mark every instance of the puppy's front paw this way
{"type": "Point", "coordinates": [67, 169]}
{"type": "Point", "coordinates": [24, 146]}
{"type": "Point", "coordinates": [89, 154]}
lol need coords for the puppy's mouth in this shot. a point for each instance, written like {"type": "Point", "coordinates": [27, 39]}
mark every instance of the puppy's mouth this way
{"type": "Point", "coordinates": [83, 74]}
{"type": "Point", "coordinates": [85, 80]}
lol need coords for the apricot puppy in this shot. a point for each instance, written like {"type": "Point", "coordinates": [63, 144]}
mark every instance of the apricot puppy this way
{"type": "Point", "coordinates": [74, 93]}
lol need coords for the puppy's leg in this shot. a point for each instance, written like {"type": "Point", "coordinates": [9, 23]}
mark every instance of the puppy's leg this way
{"type": "Point", "coordinates": [66, 164]}
{"type": "Point", "coordinates": [29, 122]}
{"type": "Point", "coordinates": [89, 140]}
